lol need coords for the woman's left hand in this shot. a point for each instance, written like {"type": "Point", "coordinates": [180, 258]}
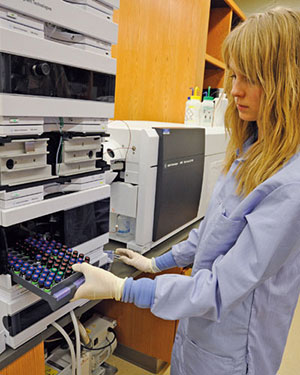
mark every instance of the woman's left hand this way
{"type": "Point", "coordinates": [99, 284]}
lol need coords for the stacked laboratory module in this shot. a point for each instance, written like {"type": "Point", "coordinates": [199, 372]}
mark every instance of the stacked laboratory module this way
{"type": "Point", "coordinates": [56, 96]}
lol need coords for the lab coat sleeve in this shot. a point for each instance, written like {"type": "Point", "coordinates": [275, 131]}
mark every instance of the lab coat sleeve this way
{"type": "Point", "coordinates": [184, 252]}
{"type": "Point", "coordinates": [140, 292]}
{"type": "Point", "coordinates": [270, 237]}
{"type": "Point", "coordinates": [165, 261]}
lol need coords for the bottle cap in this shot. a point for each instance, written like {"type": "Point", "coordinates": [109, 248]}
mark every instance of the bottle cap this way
{"type": "Point", "coordinates": [28, 275]}
{"type": "Point", "coordinates": [47, 284]}
{"type": "Point", "coordinates": [41, 282]}
{"type": "Point", "coordinates": [68, 273]}
{"type": "Point", "coordinates": [196, 96]}
{"type": "Point", "coordinates": [34, 278]}
{"type": "Point", "coordinates": [57, 278]}
{"type": "Point", "coordinates": [208, 97]}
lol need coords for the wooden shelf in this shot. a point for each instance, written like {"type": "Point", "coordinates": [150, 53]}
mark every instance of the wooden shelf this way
{"type": "Point", "coordinates": [231, 4]}
{"type": "Point", "coordinates": [224, 16]}
{"type": "Point", "coordinates": [214, 72]}
{"type": "Point", "coordinates": [236, 9]}
{"type": "Point", "coordinates": [212, 63]}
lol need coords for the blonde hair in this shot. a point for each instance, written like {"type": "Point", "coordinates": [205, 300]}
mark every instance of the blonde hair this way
{"type": "Point", "coordinates": [266, 49]}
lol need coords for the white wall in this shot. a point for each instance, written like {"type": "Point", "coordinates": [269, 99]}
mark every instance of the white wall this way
{"type": "Point", "coordinates": [254, 6]}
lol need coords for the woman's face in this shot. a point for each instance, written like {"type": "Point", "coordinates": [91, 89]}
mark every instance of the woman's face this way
{"type": "Point", "coordinates": [247, 96]}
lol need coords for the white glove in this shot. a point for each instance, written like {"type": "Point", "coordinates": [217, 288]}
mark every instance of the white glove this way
{"type": "Point", "coordinates": [137, 260]}
{"type": "Point", "coordinates": [99, 284]}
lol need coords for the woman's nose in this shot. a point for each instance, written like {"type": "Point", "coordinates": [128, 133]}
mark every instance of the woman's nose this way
{"type": "Point", "coordinates": [237, 88]}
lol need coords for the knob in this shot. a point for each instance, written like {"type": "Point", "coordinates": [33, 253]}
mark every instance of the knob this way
{"type": "Point", "coordinates": [10, 164]}
{"type": "Point", "coordinates": [42, 69]}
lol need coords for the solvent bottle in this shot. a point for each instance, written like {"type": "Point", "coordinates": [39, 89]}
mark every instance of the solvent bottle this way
{"type": "Point", "coordinates": [207, 110]}
{"type": "Point", "coordinates": [220, 108]}
{"type": "Point", "coordinates": [192, 109]}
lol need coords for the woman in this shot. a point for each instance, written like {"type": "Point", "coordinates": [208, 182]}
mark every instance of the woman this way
{"type": "Point", "coordinates": [236, 308]}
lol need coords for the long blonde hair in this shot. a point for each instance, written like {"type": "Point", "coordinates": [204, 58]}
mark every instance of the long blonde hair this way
{"type": "Point", "coordinates": [266, 49]}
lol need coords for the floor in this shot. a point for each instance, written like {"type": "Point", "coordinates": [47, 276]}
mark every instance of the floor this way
{"type": "Point", "coordinates": [126, 368]}
{"type": "Point", "coordinates": [291, 359]}
{"type": "Point", "coordinates": [290, 364]}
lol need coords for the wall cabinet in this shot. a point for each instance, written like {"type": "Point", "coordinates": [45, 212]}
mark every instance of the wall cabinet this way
{"type": "Point", "coordinates": [164, 48]}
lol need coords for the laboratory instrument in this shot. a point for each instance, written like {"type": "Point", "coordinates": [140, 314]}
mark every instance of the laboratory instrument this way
{"type": "Point", "coordinates": [56, 96]}
{"type": "Point", "coordinates": [164, 176]}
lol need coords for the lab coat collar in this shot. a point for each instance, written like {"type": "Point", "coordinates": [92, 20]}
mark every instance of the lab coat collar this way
{"type": "Point", "coordinates": [246, 146]}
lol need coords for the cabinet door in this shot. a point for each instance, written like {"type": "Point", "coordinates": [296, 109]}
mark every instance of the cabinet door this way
{"type": "Point", "coordinates": [160, 55]}
{"type": "Point", "coordinates": [139, 329]}
{"type": "Point", "coordinates": [30, 363]}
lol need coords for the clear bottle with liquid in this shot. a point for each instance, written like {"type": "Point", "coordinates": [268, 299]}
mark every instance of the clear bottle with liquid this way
{"type": "Point", "coordinates": [123, 223]}
{"type": "Point", "coordinates": [207, 110]}
{"type": "Point", "coordinates": [192, 109]}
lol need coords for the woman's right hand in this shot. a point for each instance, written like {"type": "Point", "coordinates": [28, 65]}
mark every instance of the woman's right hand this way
{"type": "Point", "coordinates": [137, 260]}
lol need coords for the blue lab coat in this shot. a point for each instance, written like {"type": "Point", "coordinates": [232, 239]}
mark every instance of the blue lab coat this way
{"type": "Point", "coordinates": [236, 309]}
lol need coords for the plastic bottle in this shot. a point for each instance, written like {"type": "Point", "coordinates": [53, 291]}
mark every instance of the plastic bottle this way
{"type": "Point", "coordinates": [220, 108]}
{"type": "Point", "coordinates": [192, 109]}
{"type": "Point", "coordinates": [207, 110]}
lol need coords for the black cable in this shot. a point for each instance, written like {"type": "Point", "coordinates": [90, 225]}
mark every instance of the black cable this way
{"type": "Point", "coordinates": [103, 347]}
{"type": "Point", "coordinates": [3, 252]}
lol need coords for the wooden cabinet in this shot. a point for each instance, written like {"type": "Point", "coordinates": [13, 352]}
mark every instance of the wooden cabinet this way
{"type": "Point", "coordinates": [160, 55]}
{"type": "Point", "coordinates": [164, 48]}
{"type": "Point", "coordinates": [30, 363]}
{"type": "Point", "coordinates": [139, 329]}
{"type": "Point", "coordinates": [224, 15]}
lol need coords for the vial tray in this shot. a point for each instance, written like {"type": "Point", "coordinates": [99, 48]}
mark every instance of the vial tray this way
{"type": "Point", "coordinates": [59, 294]}
{"type": "Point", "coordinates": [45, 268]}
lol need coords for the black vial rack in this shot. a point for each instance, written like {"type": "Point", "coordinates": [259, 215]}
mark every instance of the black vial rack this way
{"type": "Point", "coordinates": [45, 268]}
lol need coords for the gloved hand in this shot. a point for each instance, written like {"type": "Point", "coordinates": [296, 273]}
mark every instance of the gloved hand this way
{"type": "Point", "coordinates": [137, 260]}
{"type": "Point", "coordinates": [99, 284]}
